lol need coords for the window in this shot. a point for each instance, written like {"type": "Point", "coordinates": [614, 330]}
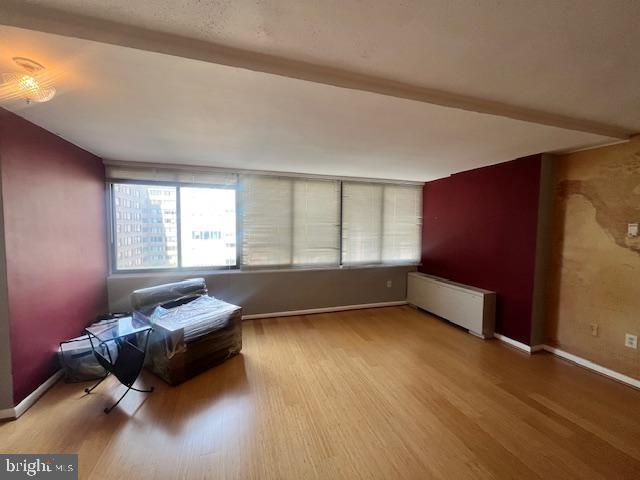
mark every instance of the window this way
{"type": "Point", "coordinates": [401, 224]}
{"type": "Point", "coordinates": [149, 250]}
{"type": "Point", "coordinates": [173, 226]}
{"type": "Point", "coordinates": [316, 222]}
{"type": "Point", "coordinates": [381, 223]}
{"type": "Point", "coordinates": [290, 221]}
{"type": "Point", "coordinates": [361, 223]}
{"type": "Point", "coordinates": [208, 226]}
{"type": "Point", "coordinates": [163, 219]}
{"type": "Point", "coordinates": [266, 221]}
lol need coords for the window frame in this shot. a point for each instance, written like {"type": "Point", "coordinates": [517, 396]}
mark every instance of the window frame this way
{"type": "Point", "coordinates": [111, 226]}
{"type": "Point", "coordinates": [111, 216]}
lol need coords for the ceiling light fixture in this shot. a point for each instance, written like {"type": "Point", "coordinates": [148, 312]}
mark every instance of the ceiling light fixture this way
{"type": "Point", "coordinates": [30, 86]}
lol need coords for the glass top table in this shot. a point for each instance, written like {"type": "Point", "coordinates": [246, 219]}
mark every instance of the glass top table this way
{"type": "Point", "coordinates": [118, 328]}
{"type": "Point", "coordinates": [131, 337]}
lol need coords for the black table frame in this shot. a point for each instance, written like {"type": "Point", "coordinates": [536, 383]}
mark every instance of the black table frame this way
{"type": "Point", "coordinates": [127, 366]}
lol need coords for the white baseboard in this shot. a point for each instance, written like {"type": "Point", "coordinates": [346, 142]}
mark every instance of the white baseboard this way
{"type": "Point", "coordinates": [537, 348]}
{"type": "Point", "coordinates": [24, 405]}
{"type": "Point", "coordinates": [514, 343]}
{"type": "Point", "coordinates": [323, 310]}
{"type": "Point", "coordinates": [583, 362]}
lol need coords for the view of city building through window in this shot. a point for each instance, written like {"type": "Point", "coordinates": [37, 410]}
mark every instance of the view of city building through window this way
{"type": "Point", "coordinates": [146, 226]}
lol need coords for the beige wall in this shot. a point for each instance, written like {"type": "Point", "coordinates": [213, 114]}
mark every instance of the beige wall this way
{"type": "Point", "coordinates": [279, 291]}
{"type": "Point", "coordinates": [595, 268]}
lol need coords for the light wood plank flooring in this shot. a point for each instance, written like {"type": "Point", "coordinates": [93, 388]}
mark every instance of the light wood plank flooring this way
{"type": "Point", "coordinates": [387, 393]}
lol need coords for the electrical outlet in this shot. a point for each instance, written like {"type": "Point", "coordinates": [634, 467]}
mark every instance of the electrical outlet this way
{"type": "Point", "coordinates": [631, 341]}
{"type": "Point", "coordinates": [389, 283]}
{"type": "Point", "coordinates": [594, 329]}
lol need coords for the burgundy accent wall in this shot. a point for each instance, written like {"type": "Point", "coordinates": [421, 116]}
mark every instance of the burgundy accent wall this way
{"type": "Point", "coordinates": [55, 235]}
{"type": "Point", "coordinates": [479, 228]}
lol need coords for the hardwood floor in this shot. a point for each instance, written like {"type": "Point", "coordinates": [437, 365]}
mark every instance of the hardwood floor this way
{"type": "Point", "coordinates": [385, 393]}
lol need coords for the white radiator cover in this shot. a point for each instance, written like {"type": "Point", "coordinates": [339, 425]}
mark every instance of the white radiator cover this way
{"type": "Point", "coordinates": [470, 307]}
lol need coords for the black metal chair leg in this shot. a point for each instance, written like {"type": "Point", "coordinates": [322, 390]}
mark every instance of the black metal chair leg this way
{"type": "Point", "coordinates": [141, 390]}
{"type": "Point", "coordinates": [128, 365]}
{"type": "Point", "coordinates": [89, 390]}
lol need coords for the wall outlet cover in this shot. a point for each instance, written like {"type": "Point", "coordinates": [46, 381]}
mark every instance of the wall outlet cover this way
{"type": "Point", "coordinates": [594, 329]}
{"type": "Point", "coordinates": [631, 341]}
{"type": "Point", "coordinates": [389, 283]}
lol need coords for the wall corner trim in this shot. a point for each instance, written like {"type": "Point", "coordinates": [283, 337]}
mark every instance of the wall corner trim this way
{"type": "Point", "coordinates": [15, 412]}
{"type": "Point", "coordinates": [583, 362]}
{"type": "Point", "coordinates": [311, 311]}
{"type": "Point", "coordinates": [516, 344]}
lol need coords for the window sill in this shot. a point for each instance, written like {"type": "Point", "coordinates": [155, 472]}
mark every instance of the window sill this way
{"type": "Point", "coordinates": [238, 271]}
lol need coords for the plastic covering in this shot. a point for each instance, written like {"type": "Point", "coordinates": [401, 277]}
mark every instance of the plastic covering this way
{"type": "Point", "coordinates": [170, 294]}
{"type": "Point", "coordinates": [191, 331]}
{"type": "Point", "coordinates": [78, 362]}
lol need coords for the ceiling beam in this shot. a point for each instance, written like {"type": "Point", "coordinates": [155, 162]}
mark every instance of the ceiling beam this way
{"type": "Point", "coordinates": [24, 15]}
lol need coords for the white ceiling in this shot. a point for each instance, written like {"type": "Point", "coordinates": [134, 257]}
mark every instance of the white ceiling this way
{"type": "Point", "coordinates": [136, 105]}
{"type": "Point", "coordinates": [127, 104]}
{"type": "Point", "coordinates": [578, 58]}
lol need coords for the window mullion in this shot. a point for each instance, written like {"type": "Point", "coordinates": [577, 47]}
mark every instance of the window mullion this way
{"type": "Point", "coordinates": [382, 226]}
{"type": "Point", "coordinates": [340, 229]}
{"type": "Point", "coordinates": [239, 224]}
{"type": "Point", "coordinates": [178, 226]}
{"type": "Point", "coordinates": [291, 225]}
{"type": "Point", "coordinates": [112, 227]}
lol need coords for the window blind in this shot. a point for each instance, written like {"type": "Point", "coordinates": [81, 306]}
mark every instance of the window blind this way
{"type": "Point", "coordinates": [290, 221]}
{"type": "Point", "coordinates": [381, 223]}
{"type": "Point", "coordinates": [361, 223]}
{"type": "Point", "coordinates": [266, 220]}
{"type": "Point", "coordinates": [115, 172]}
{"type": "Point", "coordinates": [402, 224]}
{"type": "Point", "coordinates": [316, 222]}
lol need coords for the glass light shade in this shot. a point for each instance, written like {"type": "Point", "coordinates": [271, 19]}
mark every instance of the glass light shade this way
{"type": "Point", "coordinates": [28, 87]}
